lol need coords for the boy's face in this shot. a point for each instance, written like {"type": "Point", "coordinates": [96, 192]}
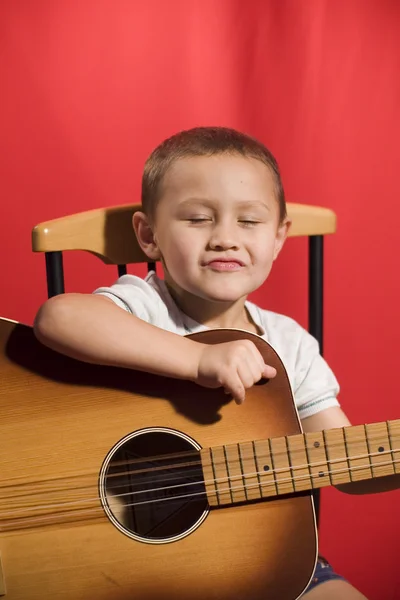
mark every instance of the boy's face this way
{"type": "Point", "coordinates": [217, 227]}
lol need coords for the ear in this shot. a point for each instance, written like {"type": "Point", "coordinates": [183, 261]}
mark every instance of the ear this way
{"type": "Point", "coordinates": [281, 235]}
{"type": "Point", "coordinates": [145, 236]}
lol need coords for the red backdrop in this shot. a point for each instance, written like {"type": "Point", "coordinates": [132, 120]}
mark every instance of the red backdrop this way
{"type": "Point", "coordinates": [90, 87]}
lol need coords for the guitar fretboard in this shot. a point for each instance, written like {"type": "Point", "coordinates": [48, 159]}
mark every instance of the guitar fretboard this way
{"type": "Point", "coordinates": [284, 465]}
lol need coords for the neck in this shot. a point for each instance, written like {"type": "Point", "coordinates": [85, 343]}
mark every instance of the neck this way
{"type": "Point", "coordinates": [273, 467]}
{"type": "Point", "coordinates": [213, 314]}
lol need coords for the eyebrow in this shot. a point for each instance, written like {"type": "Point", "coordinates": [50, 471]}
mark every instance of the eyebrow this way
{"type": "Point", "coordinates": [211, 203]}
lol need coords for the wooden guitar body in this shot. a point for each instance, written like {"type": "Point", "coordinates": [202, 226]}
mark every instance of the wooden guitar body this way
{"type": "Point", "coordinates": [66, 533]}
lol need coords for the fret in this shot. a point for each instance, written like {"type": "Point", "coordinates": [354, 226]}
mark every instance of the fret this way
{"type": "Point", "coordinates": [317, 459]}
{"type": "Point", "coordinates": [228, 475]}
{"type": "Point", "coordinates": [280, 459]}
{"type": "Point", "coordinates": [357, 452]}
{"type": "Point", "coordinates": [209, 477]}
{"type": "Point", "coordinates": [337, 457]}
{"type": "Point", "coordinates": [235, 473]}
{"type": "Point", "coordinates": [249, 470]}
{"type": "Point", "coordinates": [394, 437]}
{"type": "Point", "coordinates": [221, 475]}
{"type": "Point", "coordinates": [265, 468]}
{"type": "Point", "coordinates": [299, 463]}
{"type": "Point", "coordinates": [379, 449]}
{"type": "Point", "coordinates": [257, 468]}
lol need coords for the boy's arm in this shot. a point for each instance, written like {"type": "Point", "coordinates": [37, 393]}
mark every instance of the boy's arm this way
{"type": "Point", "coordinates": [93, 329]}
{"type": "Point", "coordinates": [335, 417]}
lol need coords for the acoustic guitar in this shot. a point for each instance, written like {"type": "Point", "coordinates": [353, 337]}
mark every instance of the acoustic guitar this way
{"type": "Point", "coordinates": [120, 485]}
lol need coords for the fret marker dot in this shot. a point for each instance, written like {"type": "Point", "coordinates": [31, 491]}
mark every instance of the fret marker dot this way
{"type": "Point", "coordinates": [321, 474]}
{"type": "Point", "coordinates": [316, 444]}
{"type": "Point", "coordinates": [266, 468]}
{"type": "Point", "coordinates": [381, 449]}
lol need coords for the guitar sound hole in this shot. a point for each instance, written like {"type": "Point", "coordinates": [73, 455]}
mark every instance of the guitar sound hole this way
{"type": "Point", "coordinates": [152, 486]}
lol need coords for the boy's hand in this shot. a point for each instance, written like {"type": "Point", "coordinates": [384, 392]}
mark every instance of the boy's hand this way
{"type": "Point", "coordinates": [235, 366]}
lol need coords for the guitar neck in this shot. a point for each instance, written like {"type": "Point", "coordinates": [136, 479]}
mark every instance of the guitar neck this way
{"type": "Point", "coordinates": [284, 465]}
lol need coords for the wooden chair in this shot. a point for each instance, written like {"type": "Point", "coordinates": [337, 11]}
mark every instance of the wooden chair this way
{"type": "Point", "coordinates": [107, 233]}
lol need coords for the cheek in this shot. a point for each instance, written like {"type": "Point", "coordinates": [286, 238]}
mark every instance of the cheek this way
{"type": "Point", "coordinates": [181, 248]}
{"type": "Point", "coordinates": [262, 251]}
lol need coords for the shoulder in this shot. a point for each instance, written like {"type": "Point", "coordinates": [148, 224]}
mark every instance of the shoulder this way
{"type": "Point", "coordinates": [311, 378]}
{"type": "Point", "coordinates": [141, 297]}
{"type": "Point", "coordinates": [148, 299]}
{"type": "Point", "coordinates": [282, 332]}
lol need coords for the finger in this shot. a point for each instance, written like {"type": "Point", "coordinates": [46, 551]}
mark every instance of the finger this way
{"type": "Point", "coordinates": [269, 372]}
{"type": "Point", "coordinates": [248, 373]}
{"type": "Point", "coordinates": [255, 365]}
{"type": "Point", "coordinates": [260, 370]}
{"type": "Point", "coordinates": [251, 371]}
{"type": "Point", "coordinates": [235, 388]}
{"type": "Point", "coordinates": [266, 371]}
{"type": "Point", "coordinates": [257, 357]}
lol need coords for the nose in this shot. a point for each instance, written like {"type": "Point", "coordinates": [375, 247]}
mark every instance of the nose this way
{"type": "Point", "coordinates": [223, 237]}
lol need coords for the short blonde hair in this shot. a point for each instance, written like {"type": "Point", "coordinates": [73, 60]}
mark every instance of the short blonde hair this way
{"type": "Point", "coordinates": [204, 141]}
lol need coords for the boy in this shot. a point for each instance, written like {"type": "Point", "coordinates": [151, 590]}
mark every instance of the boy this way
{"type": "Point", "coordinates": [214, 214]}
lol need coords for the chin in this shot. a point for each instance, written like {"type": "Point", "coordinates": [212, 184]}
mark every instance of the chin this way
{"type": "Point", "coordinates": [224, 296]}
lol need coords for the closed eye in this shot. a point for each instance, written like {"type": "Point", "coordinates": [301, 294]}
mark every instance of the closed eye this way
{"type": "Point", "coordinates": [196, 220]}
{"type": "Point", "coordinates": [248, 222]}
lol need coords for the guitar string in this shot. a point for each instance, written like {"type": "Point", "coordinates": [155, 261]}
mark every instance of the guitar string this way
{"type": "Point", "coordinates": [274, 481]}
{"type": "Point", "coordinates": [197, 464]}
{"type": "Point", "coordinates": [46, 519]}
{"type": "Point", "coordinates": [275, 454]}
{"type": "Point", "coordinates": [208, 482]}
{"type": "Point", "coordinates": [224, 491]}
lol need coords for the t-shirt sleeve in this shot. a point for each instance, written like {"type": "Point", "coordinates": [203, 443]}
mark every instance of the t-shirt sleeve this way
{"type": "Point", "coordinates": [315, 387]}
{"type": "Point", "coordinates": [137, 297]}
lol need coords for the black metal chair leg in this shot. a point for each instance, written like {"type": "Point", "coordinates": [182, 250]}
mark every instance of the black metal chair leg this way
{"type": "Point", "coordinates": [54, 273]}
{"type": "Point", "coordinates": [316, 307]}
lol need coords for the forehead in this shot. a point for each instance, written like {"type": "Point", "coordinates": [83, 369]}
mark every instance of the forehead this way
{"type": "Point", "coordinates": [223, 175]}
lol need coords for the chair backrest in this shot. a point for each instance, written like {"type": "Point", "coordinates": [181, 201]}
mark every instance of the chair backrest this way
{"type": "Point", "coordinates": [107, 233]}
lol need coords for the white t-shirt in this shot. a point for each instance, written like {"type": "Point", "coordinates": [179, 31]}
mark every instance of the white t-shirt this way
{"type": "Point", "coordinates": [314, 385]}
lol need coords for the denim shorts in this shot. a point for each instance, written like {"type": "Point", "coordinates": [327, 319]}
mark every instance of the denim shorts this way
{"type": "Point", "coordinates": [323, 572]}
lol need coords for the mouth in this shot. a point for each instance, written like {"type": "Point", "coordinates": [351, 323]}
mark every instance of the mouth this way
{"type": "Point", "coordinates": [225, 264]}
